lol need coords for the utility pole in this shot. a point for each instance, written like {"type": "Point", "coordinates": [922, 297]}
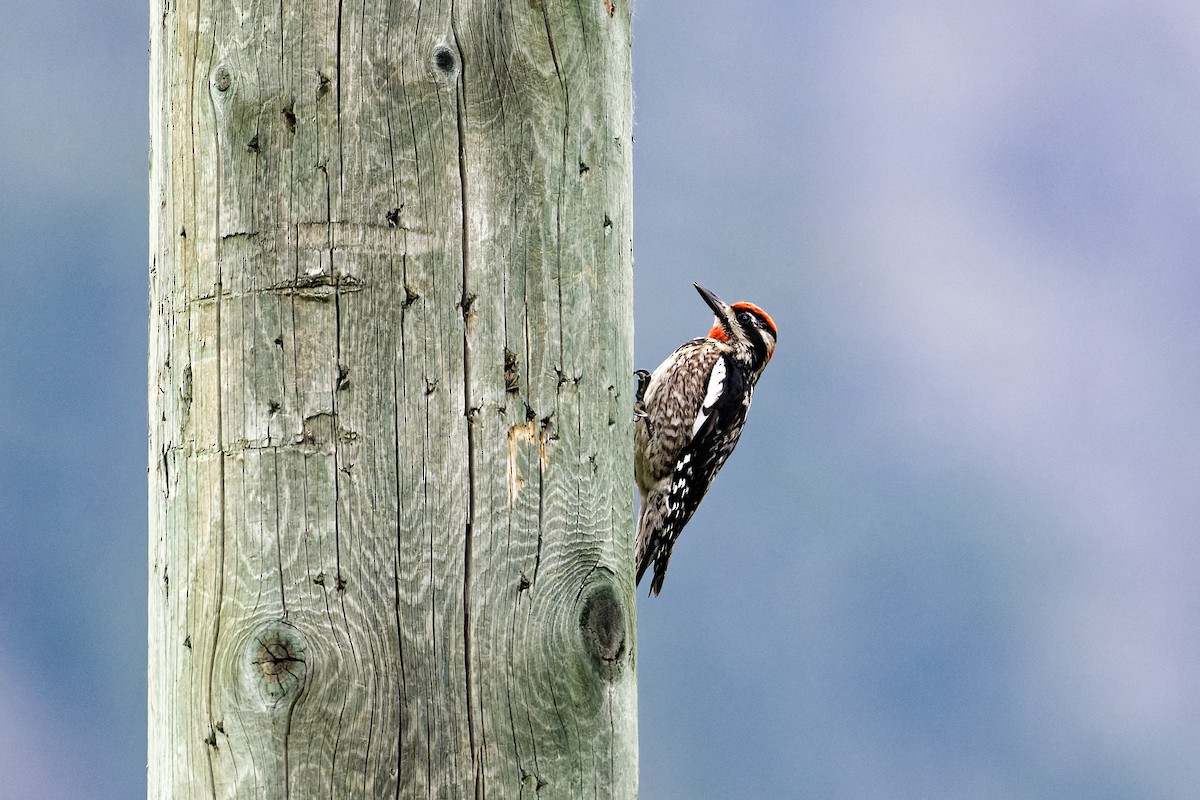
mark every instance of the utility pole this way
{"type": "Point", "coordinates": [391, 512]}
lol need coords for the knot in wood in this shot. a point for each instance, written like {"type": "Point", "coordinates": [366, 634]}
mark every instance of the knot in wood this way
{"type": "Point", "coordinates": [602, 623]}
{"type": "Point", "coordinates": [444, 60]}
{"type": "Point", "coordinates": [278, 658]}
{"type": "Point", "coordinates": [222, 80]}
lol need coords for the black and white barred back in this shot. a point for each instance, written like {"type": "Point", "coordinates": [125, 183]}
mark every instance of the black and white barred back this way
{"type": "Point", "coordinates": [689, 421]}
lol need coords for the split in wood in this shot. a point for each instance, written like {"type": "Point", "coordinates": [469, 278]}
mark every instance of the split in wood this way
{"type": "Point", "coordinates": [512, 379]}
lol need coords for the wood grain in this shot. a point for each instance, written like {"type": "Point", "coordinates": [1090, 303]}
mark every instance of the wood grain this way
{"type": "Point", "coordinates": [390, 443]}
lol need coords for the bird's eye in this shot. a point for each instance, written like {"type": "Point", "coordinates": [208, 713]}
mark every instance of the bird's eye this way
{"type": "Point", "coordinates": [744, 317]}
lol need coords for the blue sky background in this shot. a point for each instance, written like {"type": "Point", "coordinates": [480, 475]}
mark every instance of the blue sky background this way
{"type": "Point", "coordinates": [956, 553]}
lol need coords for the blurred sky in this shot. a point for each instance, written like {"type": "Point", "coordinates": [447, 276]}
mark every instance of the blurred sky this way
{"type": "Point", "coordinates": [956, 554]}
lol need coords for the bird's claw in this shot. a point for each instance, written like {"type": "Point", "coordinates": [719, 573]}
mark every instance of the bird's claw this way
{"type": "Point", "coordinates": [639, 395]}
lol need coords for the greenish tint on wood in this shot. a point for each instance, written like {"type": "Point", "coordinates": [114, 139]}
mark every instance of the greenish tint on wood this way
{"type": "Point", "coordinates": [390, 365]}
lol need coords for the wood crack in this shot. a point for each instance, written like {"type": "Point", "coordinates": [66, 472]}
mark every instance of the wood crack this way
{"type": "Point", "coordinates": [470, 410]}
{"type": "Point", "coordinates": [220, 435]}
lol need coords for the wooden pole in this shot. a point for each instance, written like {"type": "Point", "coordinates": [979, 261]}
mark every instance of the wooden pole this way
{"type": "Point", "coordinates": [390, 379]}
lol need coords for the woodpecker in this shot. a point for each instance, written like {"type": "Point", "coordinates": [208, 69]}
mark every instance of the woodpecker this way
{"type": "Point", "coordinates": [689, 414]}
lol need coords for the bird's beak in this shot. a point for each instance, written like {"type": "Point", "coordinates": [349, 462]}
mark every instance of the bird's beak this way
{"type": "Point", "coordinates": [719, 307]}
{"type": "Point", "coordinates": [723, 326]}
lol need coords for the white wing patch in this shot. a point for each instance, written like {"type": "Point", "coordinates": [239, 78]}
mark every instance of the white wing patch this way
{"type": "Point", "coordinates": [716, 385]}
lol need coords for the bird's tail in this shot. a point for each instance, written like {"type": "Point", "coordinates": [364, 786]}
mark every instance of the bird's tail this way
{"type": "Point", "coordinates": [653, 541]}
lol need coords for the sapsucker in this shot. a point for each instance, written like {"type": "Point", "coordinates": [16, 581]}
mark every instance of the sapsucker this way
{"type": "Point", "coordinates": [690, 413]}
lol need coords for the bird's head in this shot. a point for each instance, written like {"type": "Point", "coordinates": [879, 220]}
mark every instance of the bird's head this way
{"type": "Point", "coordinates": [745, 326]}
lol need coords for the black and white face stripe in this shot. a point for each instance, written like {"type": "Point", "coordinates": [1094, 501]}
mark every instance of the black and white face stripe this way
{"type": "Point", "coordinates": [756, 332]}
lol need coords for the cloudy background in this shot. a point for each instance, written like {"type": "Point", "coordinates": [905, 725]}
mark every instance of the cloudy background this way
{"type": "Point", "coordinates": [957, 552]}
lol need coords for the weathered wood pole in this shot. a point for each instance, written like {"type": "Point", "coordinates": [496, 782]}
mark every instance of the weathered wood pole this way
{"type": "Point", "coordinates": [390, 373]}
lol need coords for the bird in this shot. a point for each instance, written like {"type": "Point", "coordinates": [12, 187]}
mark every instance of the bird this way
{"type": "Point", "coordinates": [688, 415]}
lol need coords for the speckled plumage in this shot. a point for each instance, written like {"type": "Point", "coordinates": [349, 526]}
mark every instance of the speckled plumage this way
{"type": "Point", "coordinates": [689, 421]}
